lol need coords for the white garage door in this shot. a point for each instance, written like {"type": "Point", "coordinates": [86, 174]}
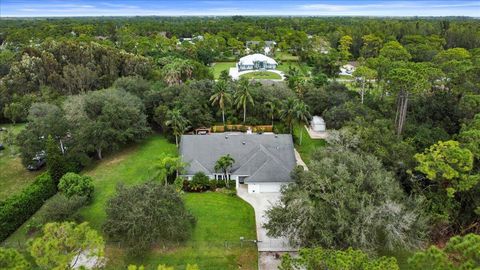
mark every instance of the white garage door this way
{"type": "Point", "coordinates": [264, 187]}
{"type": "Point", "coordinates": [270, 187]}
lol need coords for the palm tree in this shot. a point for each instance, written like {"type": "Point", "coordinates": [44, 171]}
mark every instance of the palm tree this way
{"type": "Point", "coordinates": [287, 113]}
{"type": "Point", "coordinates": [176, 70]}
{"type": "Point", "coordinates": [167, 165]}
{"type": "Point", "coordinates": [221, 97]}
{"type": "Point", "coordinates": [302, 115]}
{"type": "Point", "coordinates": [244, 96]}
{"type": "Point", "coordinates": [272, 109]}
{"type": "Point", "coordinates": [177, 123]}
{"type": "Point", "coordinates": [224, 164]}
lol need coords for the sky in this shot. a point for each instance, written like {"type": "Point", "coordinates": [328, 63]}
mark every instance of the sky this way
{"type": "Point", "coordinates": [50, 8]}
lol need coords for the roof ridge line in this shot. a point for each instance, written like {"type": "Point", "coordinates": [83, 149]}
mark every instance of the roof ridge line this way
{"type": "Point", "coordinates": [273, 157]}
{"type": "Point", "coordinates": [195, 160]}
{"type": "Point", "coordinates": [249, 158]}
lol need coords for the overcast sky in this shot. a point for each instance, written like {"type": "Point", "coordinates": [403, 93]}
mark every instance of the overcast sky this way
{"type": "Point", "coordinates": [32, 8]}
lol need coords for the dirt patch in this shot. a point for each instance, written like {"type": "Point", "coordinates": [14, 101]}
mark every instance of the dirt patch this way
{"type": "Point", "coordinates": [245, 259]}
{"type": "Point", "coordinates": [271, 260]}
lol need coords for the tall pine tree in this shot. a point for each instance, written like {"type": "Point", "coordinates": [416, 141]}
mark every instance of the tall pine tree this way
{"type": "Point", "coordinates": [55, 160]}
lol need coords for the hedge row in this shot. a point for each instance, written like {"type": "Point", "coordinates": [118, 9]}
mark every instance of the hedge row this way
{"type": "Point", "coordinates": [19, 208]}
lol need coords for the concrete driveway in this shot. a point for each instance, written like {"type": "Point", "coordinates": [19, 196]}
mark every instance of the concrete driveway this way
{"type": "Point", "coordinates": [261, 202]}
{"type": "Point", "coordinates": [269, 248]}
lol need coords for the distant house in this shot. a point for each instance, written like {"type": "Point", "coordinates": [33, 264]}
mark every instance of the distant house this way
{"type": "Point", "coordinates": [256, 62]}
{"type": "Point", "coordinates": [262, 162]}
{"type": "Point", "coordinates": [268, 46]}
{"type": "Point", "coordinates": [191, 40]}
{"type": "Point", "coordinates": [348, 69]}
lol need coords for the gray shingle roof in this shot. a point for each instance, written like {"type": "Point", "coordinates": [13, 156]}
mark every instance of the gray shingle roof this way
{"type": "Point", "coordinates": [263, 158]}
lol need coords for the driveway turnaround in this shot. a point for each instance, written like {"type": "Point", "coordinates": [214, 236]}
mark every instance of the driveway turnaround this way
{"type": "Point", "coordinates": [235, 74]}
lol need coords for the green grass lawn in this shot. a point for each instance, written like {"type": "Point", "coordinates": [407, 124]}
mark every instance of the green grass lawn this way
{"type": "Point", "coordinates": [218, 67]}
{"type": "Point", "coordinates": [286, 56]}
{"type": "Point", "coordinates": [13, 175]}
{"type": "Point", "coordinates": [219, 216]}
{"type": "Point", "coordinates": [130, 166]}
{"type": "Point", "coordinates": [285, 66]}
{"type": "Point", "coordinates": [308, 145]}
{"type": "Point", "coordinates": [262, 75]}
{"type": "Point", "coordinates": [302, 67]}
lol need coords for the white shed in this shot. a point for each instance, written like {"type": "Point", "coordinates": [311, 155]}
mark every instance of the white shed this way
{"type": "Point", "coordinates": [318, 124]}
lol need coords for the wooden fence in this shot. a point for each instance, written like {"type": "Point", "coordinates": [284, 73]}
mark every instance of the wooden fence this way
{"type": "Point", "coordinates": [242, 128]}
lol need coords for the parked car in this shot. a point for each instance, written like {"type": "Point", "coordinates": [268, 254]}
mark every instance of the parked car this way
{"type": "Point", "coordinates": [36, 164]}
{"type": "Point", "coordinates": [38, 161]}
{"type": "Point", "coordinates": [2, 147]}
{"type": "Point", "coordinates": [3, 129]}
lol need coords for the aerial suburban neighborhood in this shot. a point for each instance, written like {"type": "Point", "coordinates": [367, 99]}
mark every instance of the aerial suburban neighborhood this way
{"type": "Point", "coordinates": [226, 135]}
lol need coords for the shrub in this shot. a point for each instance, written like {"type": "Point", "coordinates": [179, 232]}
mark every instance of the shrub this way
{"type": "Point", "coordinates": [19, 208]}
{"type": "Point", "coordinates": [179, 184]}
{"type": "Point", "coordinates": [55, 160]}
{"type": "Point", "coordinates": [220, 184]}
{"type": "Point", "coordinates": [61, 208]}
{"type": "Point", "coordinates": [200, 182]}
{"type": "Point", "coordinates": [213, 184]}
{"type": "Point", "coordinates": [141, 215]}
{"type": "Point", "coordinates": [280, 128]}
{"type": "Point", "coordinates": [12, 259]}
{"type": "Point", "coordinates": [72, 184]}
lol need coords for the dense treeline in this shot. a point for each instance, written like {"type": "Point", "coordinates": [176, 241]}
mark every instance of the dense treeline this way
{"type": "Point", "coordinates": [402, 169]}
{"type": "Point", "coordinates": [457, 32]}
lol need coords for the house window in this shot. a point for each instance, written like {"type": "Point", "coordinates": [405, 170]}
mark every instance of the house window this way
{"type": "Point", "coordinates": [221, 177]}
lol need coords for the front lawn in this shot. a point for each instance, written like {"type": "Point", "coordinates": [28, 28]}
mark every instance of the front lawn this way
{"type": "Point", "coordinates": [308, 145]}
{"type": "Point", "coordinates": [220, 217]}
{"type": "Point", "coordinates": [262, 75]}
{"type": "Point", "coordinates": [13, 175]}
{"type": "Point", "coordinates": [218, 67]}
{"type": "Point", "coordinates": [221, 220]}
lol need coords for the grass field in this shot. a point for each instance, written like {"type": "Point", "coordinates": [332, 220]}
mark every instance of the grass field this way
{"type": "Point", "coordinates": [285, 66]}
{"type": "Point", "coordinates": [308, 145]}
{"type": "Point", "coordinates": [286, 56]}
{"type": "Point", "coordinates": [220, 217]}
{"type": "Point", "coordinates": [13, 175]}
{"type": "Point", "coordinates": [218, 67]}
{"type": "Point", "coordinates": [262, 75]}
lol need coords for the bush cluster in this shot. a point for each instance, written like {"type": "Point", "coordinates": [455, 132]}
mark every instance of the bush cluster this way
{"type": "Point", "coordinates": [19, 208]}
{"type": "Point", "coordinates": [201, 182]}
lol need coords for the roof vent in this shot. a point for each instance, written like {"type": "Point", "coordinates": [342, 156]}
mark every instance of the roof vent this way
{"type": "Point", "coordinates": [226, 137]}
{"type": "Point", "coordinates": [244, 143]}
{"type": "Point", "coordinates": [278, 147]}
{"type": "Point", "coordinates": [276, 136]}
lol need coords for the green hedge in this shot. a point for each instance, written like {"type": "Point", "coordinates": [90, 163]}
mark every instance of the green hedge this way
{"type": "Point", "coordinates": [19, 208]}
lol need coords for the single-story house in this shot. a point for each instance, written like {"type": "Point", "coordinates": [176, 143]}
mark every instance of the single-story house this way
{"type": "Point", "coordinates": [318, 124]}
{"type": "Point", "coordinates": [269, 45]}
{"type": "Point", "coordinates": [256, 62]}
{"type": "Point", "coordinates": [348, 69]}
{"type": "Point", "coordinates": [263, 162]}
